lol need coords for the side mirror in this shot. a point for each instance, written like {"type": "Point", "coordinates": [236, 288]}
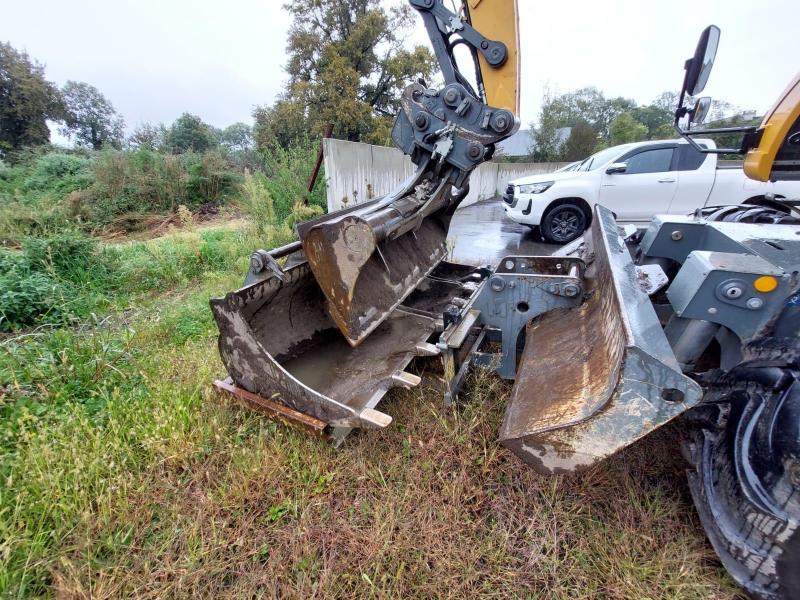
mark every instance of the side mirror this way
{"type": "Point", "coordinates": [699, 112]}
{"type": "Point", "coordinates": [698, 68]}
{"type": "Point", "coordinates": [619, 167]}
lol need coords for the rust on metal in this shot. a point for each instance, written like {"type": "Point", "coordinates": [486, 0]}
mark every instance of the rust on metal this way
{"type": "Point", "coordinates": [278, 341]}
{"type": "Point", "coordinates": [272, 409]}
{"type": "Point", "coordinates": [367, 260]}
{"type": "Point", "coordinates": [594, 379]}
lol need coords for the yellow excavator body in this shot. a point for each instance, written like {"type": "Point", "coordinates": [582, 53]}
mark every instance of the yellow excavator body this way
{"type": "Point", "coordinates": [499, 20]}
{"type": "Point", "coordinates": [779, 125]}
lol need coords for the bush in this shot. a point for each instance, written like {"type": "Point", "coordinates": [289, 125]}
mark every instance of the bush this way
{"type": "Point", "coordinates": [26, 297]}
{"type": "Point", "coordinates": [131, 187]}
{"type": "Point", "coordinates": [52, 279]}
{"type": "Point", "coordinates": [259, 205]}
{"type": "Point", "coordinates": [60, 173]}
{"type": "Point", "coordinates": [287, 171]}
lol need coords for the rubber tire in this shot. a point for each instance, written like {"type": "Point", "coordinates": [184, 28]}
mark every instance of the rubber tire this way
{"type": "Point", "coordinates": [759, 550]}
{"type": "Point", "coordinates": [569, 211]}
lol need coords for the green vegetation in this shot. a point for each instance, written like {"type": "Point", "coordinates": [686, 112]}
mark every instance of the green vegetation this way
{"type": "Point", "coordinates": [595, 122]}
{"type": "Point", "coordinates": [126, 475]}
{"type": "Point", "coordinates": [347, 66]}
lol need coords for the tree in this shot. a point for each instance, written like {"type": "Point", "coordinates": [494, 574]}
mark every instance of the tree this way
{"type": "Point", "coordinates": [91, 118]}
{"type": "Point", "coordinates": [189, 134]}
{"type": "Point", "coordinates": [27, 101]}
{"type": "Point", "coordinates": [236, 138]}
{"type": "Point", "coordinates": [347, 66]}
{"type": "Point", "coordinates": [148, 136]}
{"type": "Point", "coordinates": [587, 105]}
{"type": "Point", "coordinates": [581, 142]}
{"type": "Point", "coordinates": [666, 101]}
{"type": "Point", "coordinates": [656, 119]}
{"type": "Point", "coordinates": [626, 129]}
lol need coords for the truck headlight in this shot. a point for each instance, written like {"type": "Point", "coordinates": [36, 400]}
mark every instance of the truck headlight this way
{"type": "Point", "coordinates": [535, 188]}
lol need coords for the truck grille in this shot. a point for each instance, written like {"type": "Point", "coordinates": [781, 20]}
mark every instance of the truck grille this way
{"type": "Point", "coordinates": [508, 197]}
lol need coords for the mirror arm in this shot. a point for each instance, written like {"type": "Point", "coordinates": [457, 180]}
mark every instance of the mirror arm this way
{"type": "Point", "coordinates": [748, 131]}
{"type": "Point", "coordinates": [739, 129]}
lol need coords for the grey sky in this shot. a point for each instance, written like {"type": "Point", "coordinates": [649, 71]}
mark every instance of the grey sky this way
{"type": "Point", "coordinates": [157, 59]}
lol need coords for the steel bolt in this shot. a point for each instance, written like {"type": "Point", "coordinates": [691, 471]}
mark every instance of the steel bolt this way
{"type": "Point", "coordinates": [570, 290]}
{"type": "Point", "coordinates": [712, 311]}
{"type": "Point", "coordinates": [451, 96]}
{"type": "Point", "coordinates": [755, 303]}
{"type": "Point", "coordinates": [421, 121]}
{"type": "Point", "coordinates": [677, 236]}
{"type": "Point", "coordinates": [484, 44]}
{"type": "Point", "coordinates": [502, 121]}
{"type": "Point", "coordinates": [475, 150]}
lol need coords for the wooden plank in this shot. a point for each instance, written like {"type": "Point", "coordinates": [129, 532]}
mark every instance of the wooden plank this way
{"type": "Point", "coordinates": [274, 410]}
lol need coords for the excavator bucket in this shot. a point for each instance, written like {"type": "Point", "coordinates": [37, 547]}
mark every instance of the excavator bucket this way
{"type": "Point", "coordinates": [596, 378]}
{"type": "Point", "coordinates": [368, 259]}
{"type": "Point", "coordinates": [278, 341]}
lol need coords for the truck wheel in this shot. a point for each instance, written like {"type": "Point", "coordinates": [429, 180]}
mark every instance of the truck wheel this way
{"type": "Point", "coordinates": [563, 223]}
{"type": "Point", "coordinates": [746, 486]}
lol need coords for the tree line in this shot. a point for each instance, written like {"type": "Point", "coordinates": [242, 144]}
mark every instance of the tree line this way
{"type": "Point", "coordinates": [574, 125]}
{"type": "Point", "coordinates": [346, 66]}
{"type": "Point", "coordinates": [88, 119]}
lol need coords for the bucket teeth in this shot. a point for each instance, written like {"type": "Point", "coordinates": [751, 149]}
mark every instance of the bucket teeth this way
{"type": "Point", "coordinates": [406, 380]}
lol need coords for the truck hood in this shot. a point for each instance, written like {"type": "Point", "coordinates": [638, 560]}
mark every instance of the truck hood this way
{"type": "Point", "coordinates": [541, 177]}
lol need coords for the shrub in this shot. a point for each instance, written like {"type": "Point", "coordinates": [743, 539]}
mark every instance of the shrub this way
{"type": "Point", "coordinates": [53, 279]}
{"type": "Point", "coordinates": [259, 206]}
{"type": "Point", "coordinates": [131, 187]}
{"type": "Point", "coordinates": [287, 171]}
{"type": "Point", "coordinates": [209, 178]}
{"type": "Point", "coordinates": [27, 297]}
{"type": "Point", "coordinates": [60, 173]}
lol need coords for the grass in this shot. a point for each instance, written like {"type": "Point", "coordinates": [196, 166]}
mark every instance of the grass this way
{"type": "Point", "coordinates": [125, 475]}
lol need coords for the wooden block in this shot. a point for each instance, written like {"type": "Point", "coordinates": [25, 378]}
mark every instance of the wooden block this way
{"type": "Point", "coordinates": [274, 410]}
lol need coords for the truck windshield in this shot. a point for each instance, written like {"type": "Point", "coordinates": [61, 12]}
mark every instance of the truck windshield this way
{"type": "Point", "coordinates": [597, 160]}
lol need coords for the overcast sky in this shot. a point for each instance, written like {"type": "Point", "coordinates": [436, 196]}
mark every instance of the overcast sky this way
{"type": "Point", "coordinates": [155, 59]}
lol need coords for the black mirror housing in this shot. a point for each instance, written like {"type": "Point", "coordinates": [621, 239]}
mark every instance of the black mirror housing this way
{"type": "Point", "coordinates": [698, 68]}
{"type": "Point", "coordinates": [699, 112]}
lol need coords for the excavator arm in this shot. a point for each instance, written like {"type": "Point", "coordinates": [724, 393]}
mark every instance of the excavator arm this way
{"type": "Point", "coordinates": [369, 258]}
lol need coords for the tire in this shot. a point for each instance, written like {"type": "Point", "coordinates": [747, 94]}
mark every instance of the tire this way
{"type": "Point", "coordinates": [563, 223]}
{"type": "Point", "coordinates": [745, 483]}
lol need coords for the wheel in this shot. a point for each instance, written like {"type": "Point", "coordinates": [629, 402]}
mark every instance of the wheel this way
{"type": "Point", "coordinates": [745, 483]}
{"type": "Point", "coordinates": [563, 223]}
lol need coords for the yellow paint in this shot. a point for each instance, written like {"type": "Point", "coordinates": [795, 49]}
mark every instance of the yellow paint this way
{"type": "Point", "coordinates": [498, 20]}
{"type": "Point", "coordinates": [776, 125]}
{"type": "Point", "coordinates": [765, 284]}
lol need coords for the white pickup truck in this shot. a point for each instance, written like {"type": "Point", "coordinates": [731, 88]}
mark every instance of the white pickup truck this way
{"type": "Point", "coordinates": [636, 181]}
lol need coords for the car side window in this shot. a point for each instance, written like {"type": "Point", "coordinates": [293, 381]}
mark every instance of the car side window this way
{"type": "Point", "coordinates": [690, 159]}
{"type": "Point", "coordinates": [657, 160]}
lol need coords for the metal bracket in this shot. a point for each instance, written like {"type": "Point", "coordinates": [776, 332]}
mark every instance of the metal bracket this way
{"type": "Point", "coordinates": [524, 287]}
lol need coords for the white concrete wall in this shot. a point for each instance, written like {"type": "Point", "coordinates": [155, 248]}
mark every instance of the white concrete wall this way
{"type": "Point", "coordinates": [357, 172]}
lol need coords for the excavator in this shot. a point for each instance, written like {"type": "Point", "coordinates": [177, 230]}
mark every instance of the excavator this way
{"type": "Point", "coordinates": [693, 320]}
